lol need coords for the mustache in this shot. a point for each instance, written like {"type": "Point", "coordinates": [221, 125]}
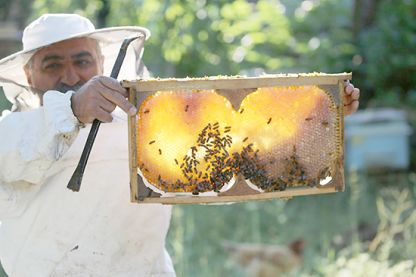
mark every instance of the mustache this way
{"type": "Point", "coordinates": [61, 87]}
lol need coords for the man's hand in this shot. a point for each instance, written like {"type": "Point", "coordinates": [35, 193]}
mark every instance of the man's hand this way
{"type": "Point", "coordinates": [351, 96]}
{"type": "Point", "coordinates": [98, 97]}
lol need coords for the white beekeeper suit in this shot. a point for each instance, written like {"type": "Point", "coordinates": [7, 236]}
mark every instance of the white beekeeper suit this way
{"type": "Point", "coordinates": [46, 229]}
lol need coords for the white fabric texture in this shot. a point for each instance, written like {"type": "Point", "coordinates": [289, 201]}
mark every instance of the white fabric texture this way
{"type": "Point", "coordinates": [48, 230]}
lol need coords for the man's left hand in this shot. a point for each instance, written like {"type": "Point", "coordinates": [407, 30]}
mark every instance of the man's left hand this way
{"type": "Point", "coordinates": [351, 97]}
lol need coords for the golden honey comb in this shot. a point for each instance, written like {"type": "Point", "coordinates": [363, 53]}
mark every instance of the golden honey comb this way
{"type": "Point", "coordinates": [195, 141]}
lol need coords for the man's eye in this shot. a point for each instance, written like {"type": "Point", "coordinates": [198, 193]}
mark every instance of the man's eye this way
{"type": "Point", "coordinates": [53, 66]}
{"type": "Point", "coordinates": [83, 62]}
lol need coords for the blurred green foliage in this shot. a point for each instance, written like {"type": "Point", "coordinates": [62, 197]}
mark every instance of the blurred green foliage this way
{"type": "Point", "coordinates": [4, 104]}
{"type": "Point", "coordinates": [210, 38]}
{"type": "Point", "coordinates": [198, 38]}
{"type": "Point", "coordinates": [388, 47]}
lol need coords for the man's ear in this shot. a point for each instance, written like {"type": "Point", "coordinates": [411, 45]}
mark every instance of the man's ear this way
{"type": "Point", "coordinates": [101, 64]}
{"type": "Point", "coordinates": [28, 73]}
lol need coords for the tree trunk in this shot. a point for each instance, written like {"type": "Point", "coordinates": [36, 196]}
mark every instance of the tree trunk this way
{"type": "Point", "coordinates": [364, 15]}
{"type": "Point", "coordinates": [103, 13]}
{"type": "Point", "coordinates": [19, 12]}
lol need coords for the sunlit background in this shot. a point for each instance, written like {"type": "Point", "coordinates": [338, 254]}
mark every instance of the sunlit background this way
{"type": "Point", "coordinates": [369, 229]}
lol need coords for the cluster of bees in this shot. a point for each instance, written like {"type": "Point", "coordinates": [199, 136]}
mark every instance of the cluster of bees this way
{"type": "Point", "coordinates": [209, 165]}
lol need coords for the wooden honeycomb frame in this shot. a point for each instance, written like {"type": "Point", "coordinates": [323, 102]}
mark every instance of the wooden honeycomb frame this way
{"type": "Point", "coordinates": [235, 89]}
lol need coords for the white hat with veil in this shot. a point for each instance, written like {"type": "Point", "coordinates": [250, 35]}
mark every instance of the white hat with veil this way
{"type": "Point", "coordinates": [52, 28]}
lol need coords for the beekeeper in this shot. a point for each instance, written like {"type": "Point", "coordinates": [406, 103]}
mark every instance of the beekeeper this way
{"type": "Point", "coordinates": [57, 85]}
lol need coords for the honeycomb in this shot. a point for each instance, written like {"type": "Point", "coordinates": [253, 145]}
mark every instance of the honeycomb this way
{"type": "Point", "coordinates": [194, 141]}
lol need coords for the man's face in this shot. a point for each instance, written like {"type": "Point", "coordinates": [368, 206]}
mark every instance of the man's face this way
{"type": "Point", "coordinates": [64, 65]}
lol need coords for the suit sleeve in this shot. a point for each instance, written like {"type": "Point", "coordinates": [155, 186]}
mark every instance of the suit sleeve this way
{"type": "Point", "coordinates": [30, 143]}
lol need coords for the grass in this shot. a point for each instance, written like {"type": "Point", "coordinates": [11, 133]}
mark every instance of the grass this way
{"type": "Point", "coordinates": [197, 231]}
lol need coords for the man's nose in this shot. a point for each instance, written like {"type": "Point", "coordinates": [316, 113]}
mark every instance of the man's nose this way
{"type": "Point", "coordinates": [70, 76]}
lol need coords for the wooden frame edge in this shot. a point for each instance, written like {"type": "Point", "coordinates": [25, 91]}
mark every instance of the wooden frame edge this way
{"type": "Point", "coordinates": [132, 148]}
{"type": "Point", "coordinates": [341, 171]}
{"type": "Point", "coordinates": [133, 88]}
{"type": "Point", "coordinates": [235, 82]}
{"type": "Point", "coordinates": [239, 198]}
